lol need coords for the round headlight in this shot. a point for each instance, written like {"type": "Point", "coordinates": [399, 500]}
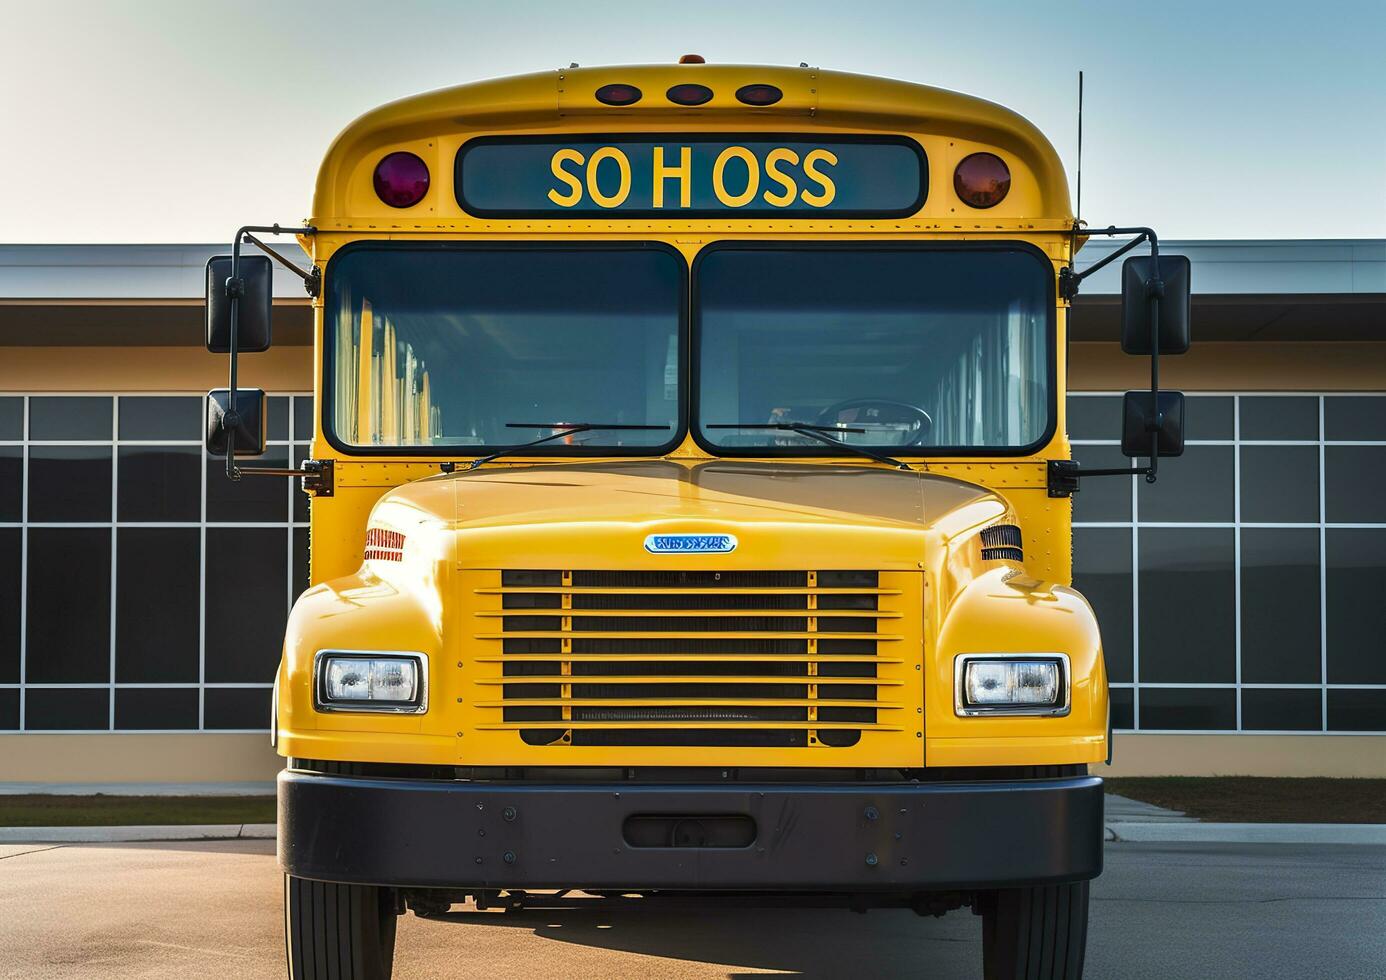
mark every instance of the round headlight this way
{"type": "Point", "coordinates": [982, 180]}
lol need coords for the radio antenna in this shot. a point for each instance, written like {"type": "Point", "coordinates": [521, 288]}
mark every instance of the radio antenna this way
{"type": "Point", "coordinates": [1078, 208]}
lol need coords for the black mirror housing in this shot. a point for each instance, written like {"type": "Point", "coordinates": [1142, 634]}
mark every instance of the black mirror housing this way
{"type": "Point", "coordinates": [251, 430]}
{"type": "Point", "coordinates": [256, 302]}
{"type": "Point", "coordinates": [1174, 304]}
{"type": "Point", "coordinates": [1136, 419]}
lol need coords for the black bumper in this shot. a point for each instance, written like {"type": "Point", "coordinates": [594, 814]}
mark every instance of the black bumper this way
{"type": "Point", "coordinates": [819, 837]}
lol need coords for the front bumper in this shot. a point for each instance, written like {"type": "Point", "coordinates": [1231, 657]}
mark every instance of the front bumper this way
{"type": "Point", "coordinates": [907, 836]}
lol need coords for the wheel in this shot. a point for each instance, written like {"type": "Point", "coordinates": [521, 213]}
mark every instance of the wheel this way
{"type": "Point", "coordinates": [1035, 933]}
{"type": "Point", "coordinates": [338, 932]}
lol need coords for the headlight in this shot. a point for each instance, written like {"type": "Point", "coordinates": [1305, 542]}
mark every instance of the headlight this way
{"type": "Point", "coordinates": [1011, 684]}
{"type": "Point", "coordinates": [369, 681]}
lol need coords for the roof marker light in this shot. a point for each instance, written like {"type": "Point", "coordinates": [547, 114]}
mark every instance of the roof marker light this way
{"type": "Point", "coordinates": [618, 94]}
{"type": "Point", "coordinates": [758, 94]}
{"type": "Point", "coordinates": [689, 94]}
{"type": "Point", "coordinates": [401, 179]}
{"type": "Point", "coordinates": [982, 180]}
{"type": "Point", "coordinates": [692, 59]}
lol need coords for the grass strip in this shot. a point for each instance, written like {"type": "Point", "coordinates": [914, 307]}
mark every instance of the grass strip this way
{"type": "Point", "coordinates": [126, 811]}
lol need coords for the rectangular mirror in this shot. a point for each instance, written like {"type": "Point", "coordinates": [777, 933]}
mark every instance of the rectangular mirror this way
{"type": "Point", "coordinates": [1136, 415]}
{"type": "Point", "coordinates": [253, 317]}
{"type": "Point", "coordinates": [1174, 305]}
{"type": "Point", "coordinates": [250, 430]}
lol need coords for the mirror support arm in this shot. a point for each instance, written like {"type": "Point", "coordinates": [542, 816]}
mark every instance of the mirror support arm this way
{"type": "Point", "coordinates": [235, 289]}
{"type": "Point", "coordinates": [1063, 474]}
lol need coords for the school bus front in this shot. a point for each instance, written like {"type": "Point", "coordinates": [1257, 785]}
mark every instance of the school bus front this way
{"type": "Point", "coordinates": [689, 521]}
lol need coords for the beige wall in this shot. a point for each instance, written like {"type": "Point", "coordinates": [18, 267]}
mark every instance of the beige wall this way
{"type": "Point", "coordinates": [149, 369]}
{"type": "Point", "coordinates": [1228, 366]}
{"type": "Point", "coordinates": [116, 758]}
{"type": "Point", "coordinates": [1247, 755]}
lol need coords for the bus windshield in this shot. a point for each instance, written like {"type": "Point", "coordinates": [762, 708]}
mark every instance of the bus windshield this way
{"type": "Point", "coordinates": [450, 345]}
{"type": "Point", "coordinates": [929, 347]}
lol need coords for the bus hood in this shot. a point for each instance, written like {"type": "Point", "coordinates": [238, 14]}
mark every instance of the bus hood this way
{"type": "Point", "coordinates": [603, 514]}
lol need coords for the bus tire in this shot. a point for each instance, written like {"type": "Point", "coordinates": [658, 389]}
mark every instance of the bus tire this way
{"type": "Point", "coordinates": [338, 932]}
{"type": "Point", "coordinates": [1035, 933]}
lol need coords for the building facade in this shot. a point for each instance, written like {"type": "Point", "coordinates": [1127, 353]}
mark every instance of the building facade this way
{"type": "Point", "coordinates": [143, 596]}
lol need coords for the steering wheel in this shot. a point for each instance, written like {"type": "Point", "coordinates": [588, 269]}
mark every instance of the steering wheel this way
{"type": "Point", "coordinates": [829, 415]}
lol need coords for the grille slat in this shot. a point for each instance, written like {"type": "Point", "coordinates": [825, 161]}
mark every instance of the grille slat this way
{"type": "Point", "coordinates": [748, 658]}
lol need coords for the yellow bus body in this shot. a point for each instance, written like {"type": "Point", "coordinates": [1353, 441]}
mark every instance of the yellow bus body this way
{"type": "Point", "coordinates": [937, 597]}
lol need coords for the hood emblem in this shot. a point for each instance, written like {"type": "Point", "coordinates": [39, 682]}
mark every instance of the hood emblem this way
{"type": "Point", "coordinates": [690, 544]}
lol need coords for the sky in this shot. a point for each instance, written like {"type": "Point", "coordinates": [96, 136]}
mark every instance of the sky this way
{"type": "Point", "coordinates": [153, 121]}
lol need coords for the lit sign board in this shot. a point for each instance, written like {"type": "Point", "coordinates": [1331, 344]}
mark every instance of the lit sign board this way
{"type": "Point", "coordinates": [620, 176]}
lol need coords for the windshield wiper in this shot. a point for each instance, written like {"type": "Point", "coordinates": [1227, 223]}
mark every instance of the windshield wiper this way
{"type": "Point", "coordinates": [564, 429]}
{"type": "Point", "coordinates": [819, 432]}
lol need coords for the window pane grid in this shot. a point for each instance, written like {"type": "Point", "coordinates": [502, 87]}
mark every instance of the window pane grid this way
{"type": "Point", "coordinates": [144, 452]}
{"type": "Point", "coordinates": [1255, 668]}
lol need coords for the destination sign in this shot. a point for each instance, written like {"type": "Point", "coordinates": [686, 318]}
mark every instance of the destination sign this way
{"type": "Point", "coordinates": [703, 176]}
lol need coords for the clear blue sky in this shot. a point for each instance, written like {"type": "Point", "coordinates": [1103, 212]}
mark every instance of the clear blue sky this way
{"type": "Point", "coordinates": [178, 121]}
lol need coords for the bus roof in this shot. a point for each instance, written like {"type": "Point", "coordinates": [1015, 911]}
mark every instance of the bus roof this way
{"type": "Point", "coordinates": [564, 101]}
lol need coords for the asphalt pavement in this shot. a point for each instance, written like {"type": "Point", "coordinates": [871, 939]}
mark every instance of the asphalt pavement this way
{"type": "Point", "coordinates": [175, 910]}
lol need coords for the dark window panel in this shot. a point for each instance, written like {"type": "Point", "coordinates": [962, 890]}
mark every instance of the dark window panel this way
{"type": "Point", "coordinates": [161, 417]}
{"type": "Point", "coordinates": [1293, 710]}
{"type": "Point", "coordinates": [69, 605]}
{"type": "Point", "coordinates": [252, 498]}
{"type": "Point", "coordinates": [236, 707]}
{"type": "Point", "coordinates": [11, 418]}
{"type": "Point", "coordinates": [1280, 484]}
{"type": "Point", "coordinates": [11, 554]}
{"type": "Point", "coordinates": [1280, 417]}
{"type": "Point", "coordinates": [1357, 711]}
{"type": "Point", "coordinates": [1356, 612]}
{"type": "Point", "coordinates": [1208, 417]}
{"type": "Point", "coordinates": [155, 707]}
{"type": "Point", "coordinates": [1094, 417]}
{"type": "Point", "coordinates": [1280, 606]}
{"type": "Point", "coordinates": [1354, 480]}
{"type": "Point", "coordinates": [69, 483]}
{"type": "Point", "coordinates": [245, 624]}
{"type": "Point", "coordinates": [74, 708]}
{"type": "Point", "coordinates": [11, 483]}
{"type": "Point", "coordinates": [1197, 486]}
{"type": "Point", "coordinates": [1102, 572]}
{"type": "Point", "coordinates": [1354, 418]}
{"type": "Point", "coordinates": [1123, 708]}
{"type": "Point", "coordinates": [1212, 708]}
{"type": "Point", "coordinates": [303, 418]}
{"type": "Point", "coordinates": [157, 595]}
{"type": "Point", "coordinates": [61, 417]}
{"type": "Point", "coordinates": [1102, 498]}
{"type": "Point", "coordinates": [1187, 603]}
{"type": "Point", "coordinates": [9, 709]}
{"type": "Point", "coordinates": [277, 418]}
{"type": "Point", "coordinates": [300, 577]}
{"type": "Point", "coordinates": [159, 483]}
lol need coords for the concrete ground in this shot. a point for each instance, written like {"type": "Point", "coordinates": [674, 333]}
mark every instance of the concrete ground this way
{"type": "Point", "coordinates": [174, 910]}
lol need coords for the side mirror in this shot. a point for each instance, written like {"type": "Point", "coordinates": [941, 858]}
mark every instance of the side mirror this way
{"type": "Point", "coordinates": [250, 429]}
{"type": "Point", "coordinates": [1174, 304]}
{"type": "Point", "coordinates": [1137, 418]}
{"type": "Point", "coordinates": [253, 317]}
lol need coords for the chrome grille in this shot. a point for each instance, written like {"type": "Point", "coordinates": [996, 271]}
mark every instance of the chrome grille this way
{"type": "Point", "coordinates": [734, 658]}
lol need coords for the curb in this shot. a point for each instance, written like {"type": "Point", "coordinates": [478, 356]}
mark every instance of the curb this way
{"type": "Point", "coordinates": [118, 835]}
{"type": "Point", "coordinates": [1247, 833]}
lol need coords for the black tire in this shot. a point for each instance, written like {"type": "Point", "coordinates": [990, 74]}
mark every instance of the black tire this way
{"type": "Point", "coordinates": [338, 932]}
{"type": "Point", "coordinates": [1035, 933]}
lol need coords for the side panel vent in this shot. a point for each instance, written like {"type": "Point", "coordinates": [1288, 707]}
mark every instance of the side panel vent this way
{"type": "Point", "coordinates": [1002, 542]}
{"type": "Point", "coordinates": [383, 545]}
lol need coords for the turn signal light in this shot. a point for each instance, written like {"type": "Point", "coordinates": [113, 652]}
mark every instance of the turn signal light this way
{"type": "Point", "coordinates": [689, 94]}
{"type": "Point", "coordinates": [982, 180]}
{"type": "Point", "coordinates": [401, 179]}
{"type": "Point", "coordinates": [759, 94]}
{"type": "Point", "coordinates": [618, 94]}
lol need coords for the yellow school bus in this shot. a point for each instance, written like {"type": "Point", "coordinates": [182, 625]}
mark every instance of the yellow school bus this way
{"type": "Point", "coordinates": [690, 508]}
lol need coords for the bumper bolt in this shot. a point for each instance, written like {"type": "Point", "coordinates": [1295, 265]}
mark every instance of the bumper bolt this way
{"type": "Point", "coordinates": [872, 813]}
{"type": "Point", "coordinates": [508, 857]}
{"type": "Point", "coordinates": [871, 860]}
{"type": "Point", "coordinates": [508, 814]}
